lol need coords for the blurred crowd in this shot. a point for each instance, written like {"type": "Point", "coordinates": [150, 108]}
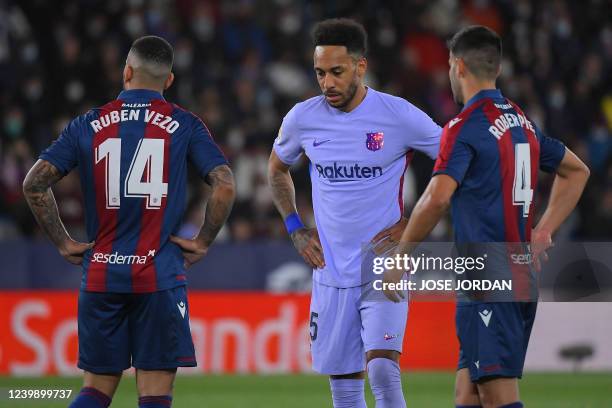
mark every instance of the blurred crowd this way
{"type": "Point", "coordinates": [242, 64]}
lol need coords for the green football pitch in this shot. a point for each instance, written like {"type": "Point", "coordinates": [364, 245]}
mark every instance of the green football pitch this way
{"type": "Point", "coordinates": [429, 390]}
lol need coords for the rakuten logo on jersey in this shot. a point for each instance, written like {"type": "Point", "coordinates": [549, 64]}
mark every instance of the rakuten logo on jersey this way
{"type": "Point", "coordinates": [116, 259]}
{"type": "Point", "coordinates": [348, 172]}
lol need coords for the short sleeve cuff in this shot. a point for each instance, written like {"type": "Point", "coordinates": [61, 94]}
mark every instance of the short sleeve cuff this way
{"type": "Point", "coordinates": [56, 163]}
{"type": "Point", "coordinates": [449, 172]}
{"type": "Point", "coordinates": [552, 165]}
{"type": "Point", "coordinates": [211, 165]}
{"type": "Point", "coordinates": [285, 159]}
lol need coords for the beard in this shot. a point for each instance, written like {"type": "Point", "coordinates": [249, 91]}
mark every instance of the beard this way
{"type": "Point", "coordinates": [348, 96]}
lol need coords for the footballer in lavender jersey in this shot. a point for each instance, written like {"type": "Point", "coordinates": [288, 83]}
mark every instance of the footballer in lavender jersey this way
{"type": "Point", "coordinates": [357, 164]}
{"type": "Point", "coordinates": [359, 142]}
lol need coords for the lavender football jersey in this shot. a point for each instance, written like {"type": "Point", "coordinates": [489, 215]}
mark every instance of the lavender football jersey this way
{"type": "Point", "coordinates": [357, 164]}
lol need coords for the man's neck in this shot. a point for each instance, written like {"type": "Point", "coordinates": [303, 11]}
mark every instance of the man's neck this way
{"type": "Point", "coordinates": [360, 95]}
{"type": "Point", "coordinates": [136, 85]}
{"type": "Point", "coordinates": [471, 89]}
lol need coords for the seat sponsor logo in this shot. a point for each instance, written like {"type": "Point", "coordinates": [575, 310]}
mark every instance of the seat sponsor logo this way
{"type": "Point", "coordinates": [521, 259]}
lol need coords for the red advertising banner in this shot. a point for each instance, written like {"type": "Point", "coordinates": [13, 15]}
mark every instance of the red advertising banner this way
{"type": "Point", "coordinates": [233, 332]}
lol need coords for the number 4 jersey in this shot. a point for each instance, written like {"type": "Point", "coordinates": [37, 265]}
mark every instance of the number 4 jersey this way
{"type": "Point", "coordinates": [132, 156]}
{"type": "Point", "coordinates": [494, 152]}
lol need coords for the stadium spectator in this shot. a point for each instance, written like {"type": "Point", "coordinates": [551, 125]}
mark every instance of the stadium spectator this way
{"type": "Point", "coordinates": [242, 65]}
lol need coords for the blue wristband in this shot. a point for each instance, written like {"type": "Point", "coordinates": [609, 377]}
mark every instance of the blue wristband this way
{"type": "Point", "coordinates": [293, 223]}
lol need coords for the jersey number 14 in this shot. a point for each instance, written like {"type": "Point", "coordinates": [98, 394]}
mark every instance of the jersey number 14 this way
{"type": "Point", "coordinates": [145, 177]}
{"type": "Point", "coordinates": [522, 193]}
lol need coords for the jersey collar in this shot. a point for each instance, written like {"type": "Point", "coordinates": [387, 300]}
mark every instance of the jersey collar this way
{"type": "Point", "coordinates": [140, 94]}
{"type": "Point", "coordinates": [485, 93]}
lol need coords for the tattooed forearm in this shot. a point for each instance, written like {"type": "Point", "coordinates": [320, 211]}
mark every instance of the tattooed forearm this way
{"type": "Point", "coordinates": [281, 184]}
{"type": "Point", "coordinates": [283, 191]}
{"type": "Point", "coordinates": [220, 202]}
{"type": "Point", "coordinates": [37, 191]}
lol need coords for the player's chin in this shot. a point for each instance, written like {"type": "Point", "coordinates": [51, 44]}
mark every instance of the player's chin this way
{"type": "Point", "coordinates": [336, 101]}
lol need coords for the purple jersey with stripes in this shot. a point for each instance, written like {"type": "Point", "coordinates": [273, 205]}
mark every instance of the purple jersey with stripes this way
{"type": "Point", "coordinates": [132, 157]}
{"type": "Point", "coordinates": [357, 163]}
{"type": "Point", "coordinates": [494, 153]}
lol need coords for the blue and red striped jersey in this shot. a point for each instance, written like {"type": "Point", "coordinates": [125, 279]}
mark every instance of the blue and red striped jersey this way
{"type": "Point", "coordinates": [493, 151]}
{"type": "Point", "coordinates": [132, 157]}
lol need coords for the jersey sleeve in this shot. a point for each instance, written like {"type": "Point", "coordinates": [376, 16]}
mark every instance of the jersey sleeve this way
{"type": "Point", "coordinates": [551, 151]}
{"type": "Point", "coordinates": [456, 153]}
{"type": "Point", "coordinates": [287, 145]}
{"type": "Point", "coordinates": [64, 151]}
{"type": "Point", "coordinates": [423, 133]}
{"type": "Point", "coordinates": [203, 152]}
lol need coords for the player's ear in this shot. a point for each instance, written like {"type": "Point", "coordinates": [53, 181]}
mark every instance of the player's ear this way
{"type": "Point", "coordinates": [461, 68]}
{"type": "Point", "coordinates": [169, 80]}
{"type": "Point", "coordinates": [128, 73]}
{"type": "Point", "coordinates": [362, 66]}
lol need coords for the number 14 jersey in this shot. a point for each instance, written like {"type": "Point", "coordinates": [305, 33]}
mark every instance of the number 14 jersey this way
{"type": "Point", "coordinates": [132, 156]}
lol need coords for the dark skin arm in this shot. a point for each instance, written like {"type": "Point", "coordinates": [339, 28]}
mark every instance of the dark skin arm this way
{"type": "Point", "coordinates": [388, 238]}
{"type": "Point", "coordinates": [218, 209]}
{"type": "Point", "coordinates": [428, 211]}
{"type": "Point", "coordinates": [38, 194]}
{"type": "Point", "coordinates": [305, 240]}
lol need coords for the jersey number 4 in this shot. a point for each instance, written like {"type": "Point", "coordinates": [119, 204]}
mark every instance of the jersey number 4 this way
{"type": "Point", "coordinates": [522, 193]}
{"type": "Point", "coordinates": [145, 177]}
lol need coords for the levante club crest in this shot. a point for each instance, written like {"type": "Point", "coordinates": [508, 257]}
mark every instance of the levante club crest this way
{"type": "Point", "coordinates": [374, 141]}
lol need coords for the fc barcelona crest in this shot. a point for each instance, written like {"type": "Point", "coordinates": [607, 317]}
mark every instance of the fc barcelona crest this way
{"type": "Point", "coordinates": [374, 141]}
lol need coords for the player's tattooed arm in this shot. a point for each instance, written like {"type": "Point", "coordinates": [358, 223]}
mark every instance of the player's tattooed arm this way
{"type": "Point", "coordinates": [220, 203]}
{"type": "Point", "coordinates": [38, 194]}
{"type": "Point", "coordinates": [281, 184]}
{"type": "Point", "coordinates": [37, 191]}
{"type": "Point", "coordinates": [305, 240]}
{"type": "Point", "coordinates": [218, 209]}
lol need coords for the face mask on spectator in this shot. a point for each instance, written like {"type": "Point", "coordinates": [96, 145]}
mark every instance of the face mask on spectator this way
{"type": "Point", "coordinates": [13, 127]}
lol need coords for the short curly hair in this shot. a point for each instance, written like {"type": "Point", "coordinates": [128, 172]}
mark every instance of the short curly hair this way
{"type": "Point", "coordinates": [342, 32]}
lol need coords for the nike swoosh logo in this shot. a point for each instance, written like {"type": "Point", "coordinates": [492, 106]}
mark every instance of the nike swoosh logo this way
{"type": "Point", "coordinates": [315, 143]}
